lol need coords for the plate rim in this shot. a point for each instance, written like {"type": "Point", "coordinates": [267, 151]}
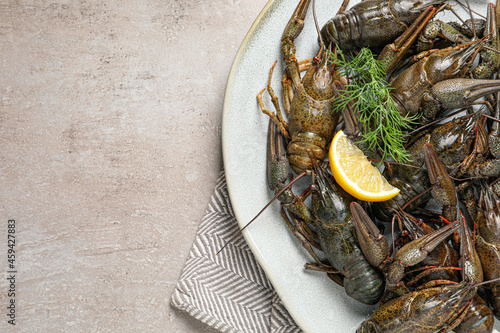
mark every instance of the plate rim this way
{"type": "Point", "coordinates": [253, 247]}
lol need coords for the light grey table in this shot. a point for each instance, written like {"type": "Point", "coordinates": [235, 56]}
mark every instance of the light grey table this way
{"type": "Point", "coordinates": [110, 129]}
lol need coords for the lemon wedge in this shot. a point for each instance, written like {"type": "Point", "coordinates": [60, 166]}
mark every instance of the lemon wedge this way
{"type": "Point", "coordinates": [355, 173]}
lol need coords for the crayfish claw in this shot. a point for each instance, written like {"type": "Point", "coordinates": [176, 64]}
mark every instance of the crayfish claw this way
{"type": "Point", "coordinates": [392, 53]}
{"type": "Point", "coordinates": [278, 166]}
{"type": "Point", "coordinates": [416, 251]}
{"type": "Point", "coordinates": [373, 244]}
{"type": "Point", "coordinates": [470, 262]}
{"type": "Point", "coordinates": [461, 92]}
{"type": "Point", "coordinates": [443, 190]}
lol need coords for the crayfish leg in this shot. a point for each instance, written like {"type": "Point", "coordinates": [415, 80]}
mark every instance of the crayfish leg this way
{"type": "Point", "coordinates": [276, 117]}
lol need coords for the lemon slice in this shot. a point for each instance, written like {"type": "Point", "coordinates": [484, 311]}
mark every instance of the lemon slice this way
{"type": "Point", "coordinates": [355, 173]}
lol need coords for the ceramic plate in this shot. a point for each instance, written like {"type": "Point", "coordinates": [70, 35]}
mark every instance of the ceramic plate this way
{"type": "Point", "coordinates": [315, 302]}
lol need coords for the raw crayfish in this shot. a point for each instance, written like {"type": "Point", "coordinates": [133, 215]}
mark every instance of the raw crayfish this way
{"type": "Point", "coordinates": [358, 257]}
{"type": "Point", "coordinates": [373, 23]}
{"type": "Point", "coordinates": [310, 129]}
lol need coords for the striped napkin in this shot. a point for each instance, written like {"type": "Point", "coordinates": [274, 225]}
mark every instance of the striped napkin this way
{"type": "Point", "coordinates": [229, 292]}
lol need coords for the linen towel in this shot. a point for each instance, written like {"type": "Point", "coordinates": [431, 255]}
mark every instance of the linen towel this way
{"type": "Point", "coordinates": [229, 292]}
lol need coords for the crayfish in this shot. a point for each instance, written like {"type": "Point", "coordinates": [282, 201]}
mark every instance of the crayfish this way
{"type": "Point", "coordinates": [428, 279]}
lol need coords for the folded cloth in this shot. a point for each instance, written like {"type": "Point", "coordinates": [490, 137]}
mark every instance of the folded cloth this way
{"type": "Point", "coordinates": [229, 292]}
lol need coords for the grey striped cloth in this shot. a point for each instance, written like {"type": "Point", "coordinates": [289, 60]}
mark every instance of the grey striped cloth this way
{"type": "Point", "coordinates": [230, 291]}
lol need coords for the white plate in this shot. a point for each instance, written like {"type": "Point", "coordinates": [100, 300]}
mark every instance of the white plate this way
{"type": "Point", "coordinates": [315, 302]}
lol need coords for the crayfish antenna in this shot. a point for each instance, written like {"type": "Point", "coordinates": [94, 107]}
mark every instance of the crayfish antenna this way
{"type": "Point", "coordinates": [316, 23]}
{"type": "Point", "coordinates": [471, 19]}
{"type": "Point", "coordinates": [485, 282]}
{"type": "Point", "coordinates": [465, 7]}
{"type": "Point", "coordinates": [262, 210]}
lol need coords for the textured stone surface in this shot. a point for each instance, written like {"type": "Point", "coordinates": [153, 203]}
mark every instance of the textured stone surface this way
{"type": "Point", "coordinates": [105, 108]}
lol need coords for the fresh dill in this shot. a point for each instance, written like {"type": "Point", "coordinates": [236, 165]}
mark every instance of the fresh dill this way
{"type": "Point", "coordinates": [382, 126]}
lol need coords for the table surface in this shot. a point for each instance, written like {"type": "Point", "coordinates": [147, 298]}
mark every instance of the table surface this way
{"type": "Point", "coordinates": [110, 129]}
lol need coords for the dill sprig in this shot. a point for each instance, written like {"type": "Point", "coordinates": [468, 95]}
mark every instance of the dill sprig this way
{"type": "Point", "coordinates": [382, 126]}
